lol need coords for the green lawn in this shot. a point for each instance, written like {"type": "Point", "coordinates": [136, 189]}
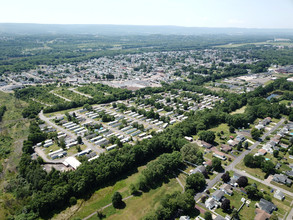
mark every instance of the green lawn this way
{"type": "Point", "coordinates": [239, 111]}
{"type": "Point", "coordinates": [225, 128]}
{"type": "Point", "coordinates": [248, 212]}
{"type": "Point", "coordinates": [136, 207]}
{"type": "Point", "coordinates": [290, 189]}
{"type": "Point", "coordinates": [100, 198]}
{"type": "Point", "coordinates": [14, 129]}
{"type": "Point", "coordinates": [257, 172]}
{"type": "Point", "coordinates": [257, 43]}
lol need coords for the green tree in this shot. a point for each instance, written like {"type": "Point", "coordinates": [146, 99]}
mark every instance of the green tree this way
{"type": "Point", "coordinates": [72, 200]}
{"type": "Point", "coordinates": [225, 205]}
{"type": "Point", "coordinates": [242, 181]}
{"type": "Point", "coordinates": [208, 216]}
{"type": "Point", "coordinates": [207, 136]}
{"type": "Point", "coordinates": [79, 139]}
{"type": "Point", "coordinates": [255, 134]}
{"type": "Point", "coordinates": [117, 200]}
{"type": "Point", "coordinates": [231, 129]}
{"type": "Point", "coordinates": [195, 182]}
{"type": "Point", "coordinates": [276, 153]}
{"type": "Point", "coordinates": [191, 153]}
{"type": "Point", "coordinates": [217, 164]}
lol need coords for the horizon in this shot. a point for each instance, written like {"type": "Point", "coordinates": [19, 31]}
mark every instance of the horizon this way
{"type": "Point", "coordinates": [147, 25]}
{"type": "Point", "coordinates": [261, 14]}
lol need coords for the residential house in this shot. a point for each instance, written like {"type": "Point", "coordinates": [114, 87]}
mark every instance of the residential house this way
{"type": "Point", "coordinates": [232, 143]}
{"type": "Point", "coordinates": [261, 215]}
{"type": "Point", "coordinates": [285, 146]}
{"type": "Point", "coordinates": [266, 121]}
{"type": "Point", "coordinates": [234, 179]}
{"type": "Point", "coordinates": [267, 206]}
{"type": "Point", "coordinates": [226, 148]}
{"type": "Point", "coordinates": [218, 195]}
{"type": "Point", "coordinates": [206, 145]}
{"type": "Point", "coordinates": [220, 155]}
{"type": "Point", "coordinates": [289, 173]}
{"type": "Point", "coordinates": [262, 152]}
{"type": "Point", "coordinates": [240, 138]}
{"type": "Point", "coordinates": [210, 203]}
{"type": "Point", "coordinates": [268, 148]}
{"type": "Point", "coordinates": [199, 169]}
{"type": "Point", "coordinates": [227, 189]}
{"type": "Point", "coordinates": [279, 194]}
{"type": "Point", "coordinates": [281, 178]}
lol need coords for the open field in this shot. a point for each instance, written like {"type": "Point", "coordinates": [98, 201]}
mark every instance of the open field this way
{"type": "Point", "coordinates": [258, 43]}
{"type": "Point", "coordinates": [13, 129]}
{"type": "Point", "coordinates": [239, 111]}
{"type": "Point", "coordinates": [136, 207]}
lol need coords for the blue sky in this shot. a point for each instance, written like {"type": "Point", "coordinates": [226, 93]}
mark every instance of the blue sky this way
{"type": "Point", "coordinates": [192, 13]}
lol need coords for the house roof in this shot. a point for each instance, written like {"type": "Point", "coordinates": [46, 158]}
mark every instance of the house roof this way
{"type": "Point", "coordinates": [226, 187]}
{"type": "Point", "coordinates": [279, 193]}
{"type": "Point", "coordinates": [219, 218]}
{"type": "Point", "coordinates": [218, 194]}
{"type": "Point", "coordinates": [262, 151]}
{"type": "Point", "coordinates": [267, 206]}
{"type": "Point", "coordinates": [261, 215]}
{"type": "Point", "coordinates": [226, 148]}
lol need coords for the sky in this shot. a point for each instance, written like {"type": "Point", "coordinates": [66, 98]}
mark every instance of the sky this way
{"type": "Point", "coordinates": [189, 13]}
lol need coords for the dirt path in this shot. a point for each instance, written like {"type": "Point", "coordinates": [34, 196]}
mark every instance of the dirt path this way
{"type": "Point", "coordinates": [66, 99]}
{"type": "Point", "coordinates": [80, 93]}
{"type": "Point", "coordinates": [106, 206]}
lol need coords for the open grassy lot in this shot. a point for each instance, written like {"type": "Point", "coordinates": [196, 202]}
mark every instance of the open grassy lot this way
{"type": "Point", "coordinates": [13, 130]}
{"type": "Point", "coordinates": [290, 189]}
{"type": "Point", "coordinates": [69, 94]}
{"type": "Point", "coordinates": [222, 128]}
{"type": "Point", "coordinates": [239, 111]}
{"type": "Point", "coordinates": [257, 172]}
{"type": "Point", "coordinates": [257, 43]}
{"type": "Point", "coordinates": [136, 207]}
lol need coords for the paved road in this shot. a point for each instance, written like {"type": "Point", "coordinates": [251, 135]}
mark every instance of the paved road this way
{"type": "Point", "coordinates": [238, 160]}
{"type": "Point", "coordinates": [42, 154]}
{"type": "Point", "coordinates": [80, 93]}
{"type": "Point", "coordinates": [259, 180]}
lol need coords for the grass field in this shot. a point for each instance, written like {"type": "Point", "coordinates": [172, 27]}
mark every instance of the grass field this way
{"type": "Point", "coordinates": [15, 129]}
{"type": "Point", "coordinates": [70, 95]}
{"type": "Point", "coordinates": [257, 172]}
{"type": "Point", "coordinates": [239, 111]}
{"type": "Point", "coordinates": [225, 129]}
{"type": "Point", "coordinates": [136, 207]}
{"type": "Point", "coordinates": [257, 43]}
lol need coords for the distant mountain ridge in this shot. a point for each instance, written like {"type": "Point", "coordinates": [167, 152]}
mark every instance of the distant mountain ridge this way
{"type": "Point", "coordinates": [105, 29]}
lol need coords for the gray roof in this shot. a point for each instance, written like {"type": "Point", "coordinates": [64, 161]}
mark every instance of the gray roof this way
{"type": "Point", "coordinates": [219, 218]}
{"type": "Point", "coordinates": [218, 195]}
{"type": "Point", "coordinates": [267, 206]}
